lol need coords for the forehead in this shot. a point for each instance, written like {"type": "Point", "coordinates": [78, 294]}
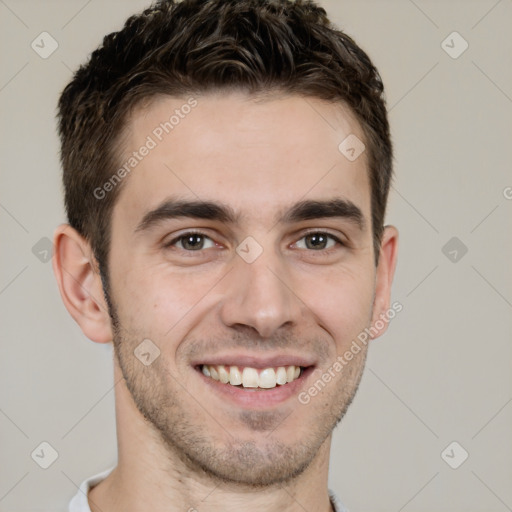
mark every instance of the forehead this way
{"type": "Point", "coordinates": [258, 155]}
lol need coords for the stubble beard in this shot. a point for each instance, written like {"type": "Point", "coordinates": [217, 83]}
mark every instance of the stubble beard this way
{"type": "Point", "coordinates": [258, 460]}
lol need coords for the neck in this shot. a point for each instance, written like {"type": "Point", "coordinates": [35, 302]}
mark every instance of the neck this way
{"type": "Point", "coordinates": [149, 476]}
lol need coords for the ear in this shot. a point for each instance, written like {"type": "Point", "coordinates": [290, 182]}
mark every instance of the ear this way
{"type": "Point", "coordinates": [383, 281]}
{"type": "Point", "coordinates": [80, 285]}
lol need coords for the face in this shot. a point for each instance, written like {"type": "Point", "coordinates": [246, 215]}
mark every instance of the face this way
{"type": "Point", "coordinates": [242, 249]}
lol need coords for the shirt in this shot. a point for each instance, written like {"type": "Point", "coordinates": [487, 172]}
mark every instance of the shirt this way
{"type": "Point", "coordinates": [79, 502]}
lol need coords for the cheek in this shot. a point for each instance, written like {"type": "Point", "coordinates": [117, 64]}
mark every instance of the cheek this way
{"type": "Point", "coordinates": [156, 300]}
{"type": "Point", "coordinates": [342, 303]}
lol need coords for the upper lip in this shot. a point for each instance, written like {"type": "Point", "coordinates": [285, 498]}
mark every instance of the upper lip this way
{"type": "Point", "coordinates": [256, 361]}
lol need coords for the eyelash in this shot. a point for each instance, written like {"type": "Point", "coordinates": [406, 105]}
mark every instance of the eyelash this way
{"type": "Point", "coordinates": [329, 235]}
{"type": "Point", "coordinates": [308, 233]}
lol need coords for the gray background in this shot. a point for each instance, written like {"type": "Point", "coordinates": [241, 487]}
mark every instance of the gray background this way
{"type": "Point", "coordinates": [441, 373]}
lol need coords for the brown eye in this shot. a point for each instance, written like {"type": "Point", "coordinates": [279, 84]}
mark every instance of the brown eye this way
{"type": "Point", "coordinates": [192, 242]}
{"type": "Point", "coordinates": [318, 241]}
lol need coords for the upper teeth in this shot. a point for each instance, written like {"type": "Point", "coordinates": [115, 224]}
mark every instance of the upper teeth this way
{"type": "Point", "coordinates": [251, 377]}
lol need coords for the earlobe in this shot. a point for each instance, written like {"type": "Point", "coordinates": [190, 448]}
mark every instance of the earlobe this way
{"type": "Point", "coordinates": [80, 284]}
{"type": "Point", "coordinates": [384, 279]}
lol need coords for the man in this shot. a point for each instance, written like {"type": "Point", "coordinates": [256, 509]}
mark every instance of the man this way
{"type": "Point", "coordinates": [226, 170]}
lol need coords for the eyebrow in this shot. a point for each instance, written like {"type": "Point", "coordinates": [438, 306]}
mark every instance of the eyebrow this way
{"type": "Point", "coordinates": [211, 210]}
{"type": "Point", "coordinates": [338, 207]}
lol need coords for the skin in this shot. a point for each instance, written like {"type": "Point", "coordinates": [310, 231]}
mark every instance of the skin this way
{"type": "Point", "coordinates": [181, 444]}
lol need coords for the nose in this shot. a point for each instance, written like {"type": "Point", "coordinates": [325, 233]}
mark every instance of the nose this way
{"type": "Point", "coordinates": [259, 295]}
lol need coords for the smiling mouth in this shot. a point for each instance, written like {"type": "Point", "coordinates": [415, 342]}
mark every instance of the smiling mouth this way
{"type": "Point", "coordinates": [252, 378]}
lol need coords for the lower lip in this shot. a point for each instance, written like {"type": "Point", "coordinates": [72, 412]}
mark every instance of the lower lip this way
{"type": "Point", "coordinates": [257, 398]}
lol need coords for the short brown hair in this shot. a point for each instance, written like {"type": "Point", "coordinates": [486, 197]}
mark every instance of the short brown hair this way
{"type": "Point", "coordinates": [195, 46]}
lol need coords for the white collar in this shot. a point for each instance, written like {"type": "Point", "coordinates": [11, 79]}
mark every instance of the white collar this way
{"type": "Point", "coordinates": [80, 503]}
